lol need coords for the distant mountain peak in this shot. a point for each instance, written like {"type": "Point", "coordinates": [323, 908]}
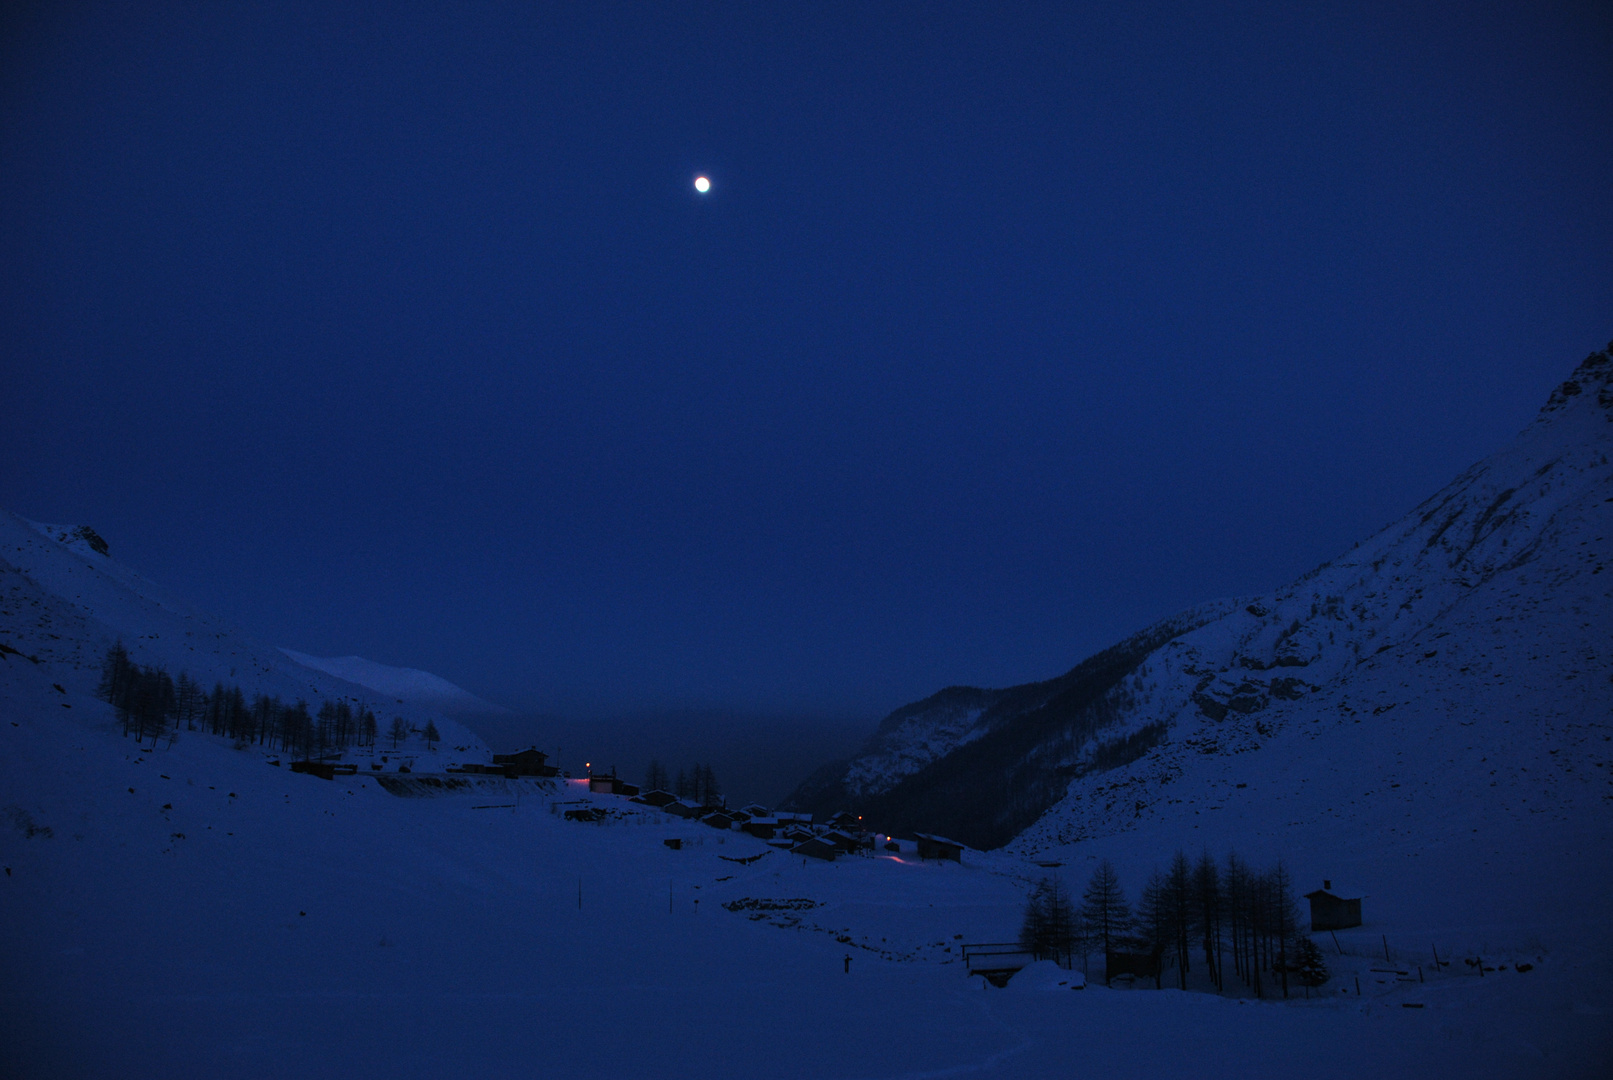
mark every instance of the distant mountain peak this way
{"type": "Point", "coordinates": [79, 537]}
{"type": "Point", "coordinates": [1591, 381]}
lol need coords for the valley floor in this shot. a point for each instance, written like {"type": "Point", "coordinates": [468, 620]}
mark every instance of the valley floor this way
{"type": "Point", "coordinates": [193, 911]}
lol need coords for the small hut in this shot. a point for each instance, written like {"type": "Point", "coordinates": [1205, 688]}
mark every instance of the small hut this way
{"type": "Point", "coordinates": [938, 847]}
{"type": "Point", "coordinates": [1329, 911]}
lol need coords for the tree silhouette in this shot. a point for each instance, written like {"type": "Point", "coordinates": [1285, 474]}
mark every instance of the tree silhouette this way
{"type": "Point", "coordinates": [1049, 927]}
{"type": "Point", "coordinates": [1104, 911]}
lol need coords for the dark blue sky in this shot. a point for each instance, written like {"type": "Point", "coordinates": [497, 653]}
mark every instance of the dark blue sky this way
{"type": "Point", "coordinates": [1005, 330]}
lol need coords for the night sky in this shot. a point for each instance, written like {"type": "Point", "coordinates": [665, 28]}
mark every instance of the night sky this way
{"type": "Point", "coordinates": [1004, 330]}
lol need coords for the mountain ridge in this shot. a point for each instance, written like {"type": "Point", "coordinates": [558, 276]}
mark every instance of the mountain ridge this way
{"type": "Point", "coordinates": [64, 601]}
{"type": "Point", "coordinates": [1234, 670]}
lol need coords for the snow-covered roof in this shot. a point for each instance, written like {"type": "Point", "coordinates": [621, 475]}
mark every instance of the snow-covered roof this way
{"type": "Point", "coordinates": [932, 838]}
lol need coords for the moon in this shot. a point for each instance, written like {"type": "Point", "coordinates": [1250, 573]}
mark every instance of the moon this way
{"type": "Point", "coordinates": [702, 185]}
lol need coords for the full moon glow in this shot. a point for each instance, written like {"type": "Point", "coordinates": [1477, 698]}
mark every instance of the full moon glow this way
{"type": "Point", "coordinates": [702, 185]}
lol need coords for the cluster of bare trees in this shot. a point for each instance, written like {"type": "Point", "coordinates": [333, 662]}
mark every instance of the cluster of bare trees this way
{"type": "Point", "coordinates": [151, 703]}
{"type": "Point", "coordinates": [1193, 911]}
{"type": "Point", "coordinates": [697, 783]}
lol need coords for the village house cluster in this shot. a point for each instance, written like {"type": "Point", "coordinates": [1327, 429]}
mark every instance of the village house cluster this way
{"type": "Point", "coordinates": [841, 834]}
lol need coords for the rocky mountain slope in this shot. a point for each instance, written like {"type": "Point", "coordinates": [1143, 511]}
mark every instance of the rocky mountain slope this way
{"type": "Point", "coordinates": [1521, 536]}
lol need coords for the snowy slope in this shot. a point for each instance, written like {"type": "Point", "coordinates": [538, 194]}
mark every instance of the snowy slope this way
{"type": "Point", "coordinates": [1521, 536]}
{"type": "Point", "coordinates": [63, 603]}
{"type": "Point", "coordinates": [401, 684]}
{"type": "Point", "coordinates": [1482, 620]}
{"type": "Point", "coordinates": [194, 912]}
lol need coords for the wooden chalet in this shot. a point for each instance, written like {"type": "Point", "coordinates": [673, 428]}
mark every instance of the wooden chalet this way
{"type": "Point", "coordinates": [656, 797]}
{"type": "Point", "coordinates": [818, 848]}
{"type": "Point", "coordinates": [938, 847]}
{"type": "Point", "coordinates": [528, 762]}
{"type": "Point", "coordinates": [787, 819]}
{"type": "Point", "coordinates": [679, 808]}
{"type": "Point", "coordinates": [763, 828]}
{"type": "Point", "coordinates": [1329, 911]}
{"type": "Point", "coordinates": [717, 819]}
{"type": "Point", "coordinates": [755, 810]}
{"type": "Point", "coordinates": [847, 844]}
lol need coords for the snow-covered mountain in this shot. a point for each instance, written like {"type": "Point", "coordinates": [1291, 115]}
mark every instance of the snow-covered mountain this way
{"type": "Point", "coordinates": [1491, 591]}
{"type": "Point", "coordinates": [64, 601]}
{"type": "Point", "coordinates": [399, 683]}
{"type": "Point", "coordinates": [188, 908]}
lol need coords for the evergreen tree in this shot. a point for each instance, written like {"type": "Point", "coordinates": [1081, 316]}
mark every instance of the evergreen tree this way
{"type": "Point", "coordinates": [116, 688]}
{"type": "Point", "coordinates": [264, 719]}
{"type": "Point", "coordinates": [685, 788]}
{"type": "Point", "coordinates": [1104, 911]}
{"type": "Point", "coordinates": [1154, 921]}
{"type": "Point", "coordinates": [326, 726]}
{"type": "Point", "coordinates": [1284, 920]}
{"type": "Point", "coordinates": [298, 726]}
{"type": "Point", "coordinates": [237, 717]}
{"type": "Point", "coordinates": [432, 736]}
{"type": "Point", "coordinates": [1179, 895]}
{"type": "Point", "coordinates": [187, 701]}
{"type": "Point", "coordinates": [1049, 926]}
{"type": "Point", "coordinates": [1309, 964]}
{"type": "Point", "coordinates": [151, 702]}
{"type": "Point", "coordinates": [1238, 886]}
{"type": "Point", "coordinates": [655, 776]}
{"type": "Point", "coordinates": [1207, 895]}
{"type": "Point", "coordinates": [710, 793]}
